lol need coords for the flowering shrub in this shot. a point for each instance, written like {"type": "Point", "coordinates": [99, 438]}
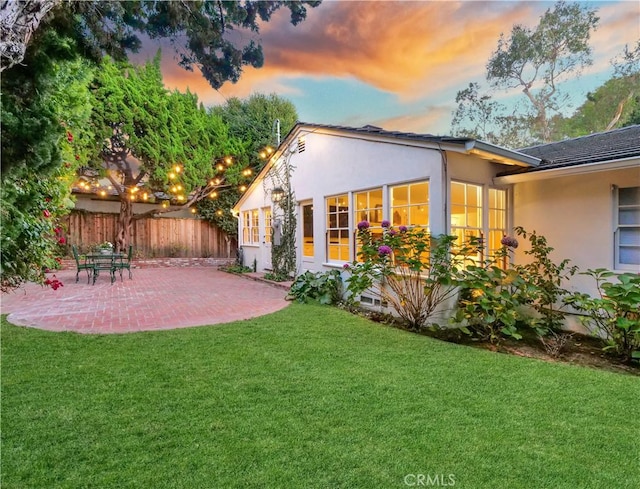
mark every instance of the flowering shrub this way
{"type": "Point", "coordinates": [408, 269]}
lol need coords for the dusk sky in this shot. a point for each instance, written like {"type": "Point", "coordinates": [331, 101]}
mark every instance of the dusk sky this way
{"type": "Point", "coordinates": [397, 65]}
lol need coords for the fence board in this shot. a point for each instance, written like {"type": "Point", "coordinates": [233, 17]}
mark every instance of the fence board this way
{"type": "Point", "coordinates": [153, 237]}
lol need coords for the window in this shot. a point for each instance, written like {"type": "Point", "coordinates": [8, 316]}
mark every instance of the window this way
{"type": "Point", "coordinates": [250, 230]}
{"type": "Point", "coordinates": [338, 228]}
{"type": "Point", "coordinates": [307, 230]}
{"type": "Point", "coordinates": [466, 211]}
{"type": "Point", "coordinates": [497, 219]}
{"type": "Point", "coordinates": [627, 236]}
{"type": "Point", "coordinates": [268, 231]}
{"type": "Point", "coordinates": [410, 205]}
{"type": "Point", "coordinates": [368, 207]}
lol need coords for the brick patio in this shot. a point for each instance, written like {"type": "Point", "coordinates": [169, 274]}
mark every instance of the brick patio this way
{"type": "Point", "coordinates": [156, 298]}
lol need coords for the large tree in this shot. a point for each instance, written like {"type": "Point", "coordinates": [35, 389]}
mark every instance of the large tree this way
{"type": "Point", "coordinates": [535, 61]}
{"type": "Point", "coordinates": [256, 121]}
{"type": "Point", "coordinates": [204, 33]}
{"type": "Point", "coordinates": [157, 146]}
{"type": "Point", "coordinates": [45, 137]}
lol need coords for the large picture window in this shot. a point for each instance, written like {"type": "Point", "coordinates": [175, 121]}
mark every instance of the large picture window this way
{"type": "Point", "coordinates": [410, 205]}
{"type": "Point", "coordinates": [338, 228]}
{"type": "Point", "coordinates": [627, 236]}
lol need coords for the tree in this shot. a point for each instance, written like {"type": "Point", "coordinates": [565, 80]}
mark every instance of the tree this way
{"type": "Point", "coordinates": [535, 61]}
{"type": "Point", "coordinates": [557, 49]}
{"type": "Point", "coordinates": [157, 146]}
{"type": "Point", "coordinates": [201, 31]}
{"type": "Point", "coordinates": [254, 121]}
{"type": "Point", "coordinates": [627, 73]}
{"type": "Point", "coordinates": [18, 21]}
{"type": "Point", "coordinates": [45, 137]}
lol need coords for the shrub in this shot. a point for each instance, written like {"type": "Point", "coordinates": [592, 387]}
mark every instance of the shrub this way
{"type": "Point", "coordinates": [544, 279]}
{"type": "Point", "coordinates": [615, 314]}
{"type": "Point", "coordinates": [324, 287]}
{"type": "Point", "coordinates": [406, 268]}
{"type": "Point", "coordinates": [491, 301]}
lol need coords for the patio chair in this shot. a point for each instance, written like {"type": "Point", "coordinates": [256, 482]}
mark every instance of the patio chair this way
{"type": "Point", "coordinates": [125, 263]}
{"type": "Point", "coordinates": [81, 266]}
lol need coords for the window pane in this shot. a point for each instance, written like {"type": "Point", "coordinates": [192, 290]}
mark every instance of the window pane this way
{"type": "Point", "coordinates": [629, 216]}
{"type": "Point", "coordinates": [630, 236]}
{"type": "Point", "coordinates": [629, 255]}
{"type": "Point", "coordinates": [420, 216]}
{"type": "Point", "coordinates": [399, 216]}
{"type": "Point", "coordinates": [419, 193]}
{"type": "Point", "coordinates": [457, 193]}
{"type": "Point", "coordinates": [399, 196]}
{"type": "Point", "coordinates": [629, 196]}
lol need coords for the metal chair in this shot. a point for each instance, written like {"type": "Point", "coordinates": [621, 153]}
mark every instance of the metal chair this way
{"type": "Point", "coordinates": [81, 266]}
{"type": "Point", "coordinates": [122, 264]}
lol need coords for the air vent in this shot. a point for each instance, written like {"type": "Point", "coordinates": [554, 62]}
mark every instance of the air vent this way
{"type": "Point", "coordinates": [365, 299]}
{"type": "Point", "coordinates": [302, 144]}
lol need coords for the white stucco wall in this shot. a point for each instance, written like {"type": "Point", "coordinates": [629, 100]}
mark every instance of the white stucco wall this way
{"type": "Point", "coordinates": [335, 164]}
{"type": "Point", "coordinates": [575, 213]}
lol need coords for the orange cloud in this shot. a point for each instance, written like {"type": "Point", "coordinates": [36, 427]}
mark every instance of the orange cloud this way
{"type": "Point", "coordinates": [417, 122]}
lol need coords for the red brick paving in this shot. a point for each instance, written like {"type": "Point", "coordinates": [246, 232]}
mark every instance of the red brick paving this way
{"type": "Point", "coordinates": [156, 298]}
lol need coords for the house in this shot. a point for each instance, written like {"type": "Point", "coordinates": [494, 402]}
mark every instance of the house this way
{"type": "Point", "coordinates": [584, 197]}
{"type": "Point", "coordinates": [582, 194]}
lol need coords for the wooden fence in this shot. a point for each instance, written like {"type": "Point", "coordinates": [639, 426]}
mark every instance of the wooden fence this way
{"type": "Point", "coordinates": [153, 237]}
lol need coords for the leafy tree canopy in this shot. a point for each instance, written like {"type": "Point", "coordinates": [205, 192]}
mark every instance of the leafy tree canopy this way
{"type": "Point", "coordinates": [203, 33]}
{"type": "Point", "coordinates": [534, 60]}
{"type": "Point", "coordinates": [254, 121]}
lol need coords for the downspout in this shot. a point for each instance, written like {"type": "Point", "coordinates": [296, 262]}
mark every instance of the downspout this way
{"type": "Point", "coordinates": [445, 193]}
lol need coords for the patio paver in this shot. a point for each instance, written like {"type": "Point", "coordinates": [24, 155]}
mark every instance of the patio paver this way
{"type": "Point", "coordinates": [156, 299]}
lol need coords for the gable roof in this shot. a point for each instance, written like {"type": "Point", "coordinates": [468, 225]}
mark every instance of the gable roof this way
{"type": "Point", "coordinates": [614, 145]}
{"type": "Point", "coordinates": [481, 149]}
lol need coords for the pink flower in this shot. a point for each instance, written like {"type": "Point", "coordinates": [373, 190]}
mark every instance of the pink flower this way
{"type": "Point", "coordinates": [346, 266]}
{"type": "Point", "coordinates": [362, 225]}
{"type": "Point", "coordinates": [402, 229]}
{"type": "Point", "coordinates": [386, 224]}
{"type": "Point", "coordinates": [385, 250]}
{"type": "Point", "coordinates": [46, 213]}
{"type": "Point", "coordinates": [62, 240]}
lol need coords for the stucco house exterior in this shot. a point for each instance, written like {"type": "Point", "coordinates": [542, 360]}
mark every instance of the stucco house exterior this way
{"type": "Point", "coordinates": [582, 194]}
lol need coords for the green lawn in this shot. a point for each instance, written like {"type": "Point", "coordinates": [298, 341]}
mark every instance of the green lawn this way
{"type": "Point", "coordinates": [307, 397]}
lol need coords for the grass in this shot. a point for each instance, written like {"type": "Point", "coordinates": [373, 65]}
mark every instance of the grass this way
{"type": "Point", "coordinates": [309, 397]}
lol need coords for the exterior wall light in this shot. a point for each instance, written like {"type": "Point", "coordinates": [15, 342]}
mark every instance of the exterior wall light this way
{"type": "Point", "coordinates": [277, 194]}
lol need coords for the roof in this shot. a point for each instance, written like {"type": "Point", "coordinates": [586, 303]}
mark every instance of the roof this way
{"type": "Point", "coordinates": [481, 149]}
{"type": "Point", "coordinates": [601, 147]}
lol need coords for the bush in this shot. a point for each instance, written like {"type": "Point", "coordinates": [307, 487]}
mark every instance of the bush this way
{"type": "Point", "coordinates": [324, 287]}
{"type": "Point", "coordinates": [406, 268]}
{"type": "Point", "coordinates": [615, 314]}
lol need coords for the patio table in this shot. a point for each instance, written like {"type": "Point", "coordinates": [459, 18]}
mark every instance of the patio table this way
{"type": "Point", "coordinates": [104, 261]}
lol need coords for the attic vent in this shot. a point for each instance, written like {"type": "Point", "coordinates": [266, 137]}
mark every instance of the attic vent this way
{"type": "Point", "coordinates": [302, 144]}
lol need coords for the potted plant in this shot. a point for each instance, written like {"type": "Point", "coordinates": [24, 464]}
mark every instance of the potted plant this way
{"type": "Point", "coordinates": [105, 248]}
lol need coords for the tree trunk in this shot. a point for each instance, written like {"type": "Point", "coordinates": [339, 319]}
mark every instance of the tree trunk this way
{"type": "Point", "coordinates": [125, 222]}
{"type": "Point", "coordinates": [619, 110]}
{"type": "Point", "coordinates": [18, 21]}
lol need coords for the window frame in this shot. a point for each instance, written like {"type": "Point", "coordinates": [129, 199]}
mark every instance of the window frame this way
{"type": "Point", "coordinates": [340, 229]}
{"type": "Point", "coordinates": [618, 227]}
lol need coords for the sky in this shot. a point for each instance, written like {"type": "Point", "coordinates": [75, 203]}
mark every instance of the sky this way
{"type": "Point", "coordinates": [398, 65]}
